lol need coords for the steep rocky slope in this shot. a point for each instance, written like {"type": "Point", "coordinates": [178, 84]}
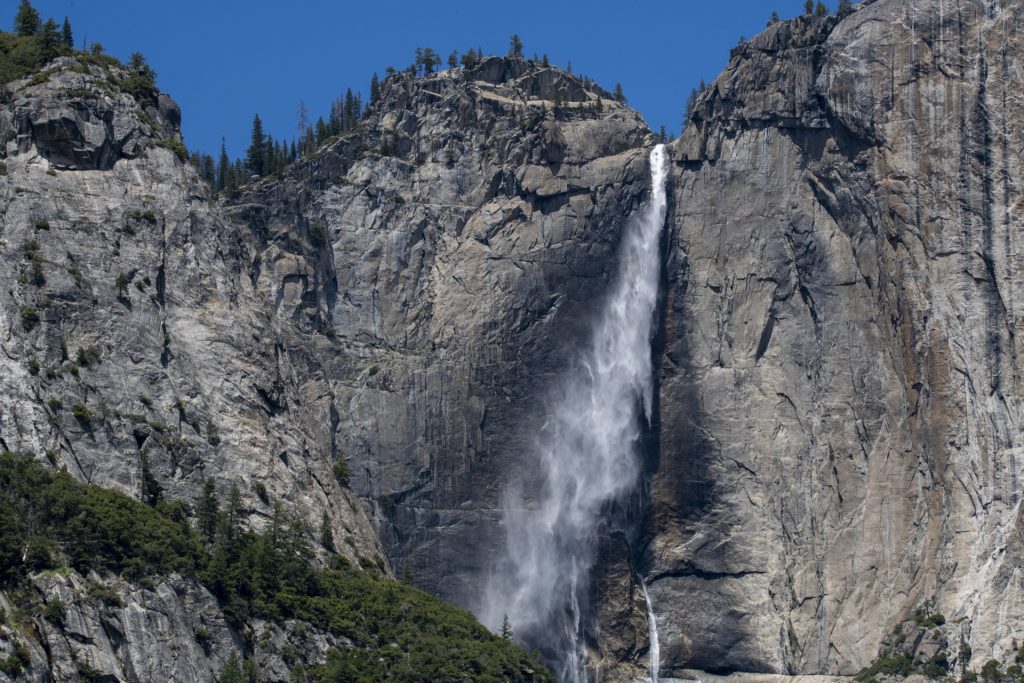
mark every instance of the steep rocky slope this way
{"type": "Point", "coordinates": [839, 434]}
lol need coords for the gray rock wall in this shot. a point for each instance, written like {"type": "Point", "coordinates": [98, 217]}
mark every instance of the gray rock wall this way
{"type": "Point", "coordinates": [839, 430]}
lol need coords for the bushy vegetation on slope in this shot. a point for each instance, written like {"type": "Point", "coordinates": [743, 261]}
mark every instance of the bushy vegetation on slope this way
{"type": "Point", "coordinates": [49, 521]}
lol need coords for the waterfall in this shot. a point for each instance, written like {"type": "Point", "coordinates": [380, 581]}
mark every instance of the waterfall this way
{"type": "Point", "coordinates": [652, 633]}
{"type": "Point", "coordinates": [587, 458]}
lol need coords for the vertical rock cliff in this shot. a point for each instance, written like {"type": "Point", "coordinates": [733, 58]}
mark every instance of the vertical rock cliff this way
{"type": "Point", "coordinates": [448, 256]}
{"type": "Point", "coordinates": [839, 433]}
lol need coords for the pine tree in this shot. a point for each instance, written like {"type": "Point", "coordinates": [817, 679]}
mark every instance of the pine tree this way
{"type": "Point", "coordinates": [254, 156]}
{"type": "Point", "coordinates": [231, 519]}
{"type": "Point", "coordinates": [506, 628]}
{"type": "Point", "coordinates": [26, 21]}
{"type": "Point", "coordinates": [51, 44]}
{"type": "Point", "coordinates": [223, 168]}
{"type": "Point", "coordinates": [773, 19]}
{"type": "Point", "coordinates": [820, 10]}
{"type": "Point", "coordinates": [515, 47]}
{"type": "Point", "coordinates": [430, 59]}
{"type": "Point", "coordinates": [619, 96]}
{"type": "Point", "coordinates": [809, 7]}
{"type": "Point", "coordinates": [845, 7]}
{"type": "Point", "coordinates": [66, 35]}
{"type": "Point", "coordinates": [375, 88]}
{"type": "Point", "coordinates": [453, 60]}
{"type": "Point", "coordinates": [326, 536]}
{"type": "Point", "coordinates": [207, 511]}
{"type": "Point", "coordinates": [544, 60]}
{"type": "Point", "coordinates": [232, 672]}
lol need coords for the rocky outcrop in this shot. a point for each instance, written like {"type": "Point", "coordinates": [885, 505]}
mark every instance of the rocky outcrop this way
{"type": "Point", "coordinates": [96, 628]}
{"type": "Point", "coordinates": [838, 439]}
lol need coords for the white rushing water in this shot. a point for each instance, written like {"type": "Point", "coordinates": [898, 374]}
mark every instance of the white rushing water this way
{"type": "Point", "coordinates": [652, 634]}
{"type": "Point", "coordinates": [588, 458]}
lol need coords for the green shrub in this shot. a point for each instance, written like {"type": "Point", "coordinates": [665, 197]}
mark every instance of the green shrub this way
{"type": "Point", "coordinates": [341, 471]}
{"type": "Point", "coordinates": [42, 225]}
{"type": "Point", "coordinates": [212, 433]}
{"type": "Point", "coordinates": [121, 283]}
{"type": "Point", "coordinates": [104, 595]}
{"type": "Point", "coordinates": [176, 146]}
{"type": "Point", "coordinates": [33, 367]}
{"type": "Point", "coordinates": [992, 671]}
{"type": "Point", "coordinates": [82, 413]}
{"type": "Point", "coordinates": [11, 666]}
{"type": "Point", "coordinates": [29, 318]}
{"type": "Point", "coordinates": [55, 404]}
{"type": "Point", "coordinates": [888, 663]}
{"type": "Point", "coordinates": [88, 355]}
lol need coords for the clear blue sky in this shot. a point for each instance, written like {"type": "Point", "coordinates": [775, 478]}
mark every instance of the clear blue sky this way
{"type": "Point", "coordinates": [225, 60]}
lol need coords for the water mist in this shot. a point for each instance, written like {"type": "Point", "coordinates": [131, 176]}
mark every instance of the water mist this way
{"type": "Point", "coordinates": [587, 458]}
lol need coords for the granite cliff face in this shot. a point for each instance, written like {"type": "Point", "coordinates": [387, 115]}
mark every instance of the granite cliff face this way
{"type": "Point", "coordinates": [839, 434]}
{"type": "Point", "coordinates": [835, 442]}
{"type": "Point", "coordinates": [452, 252]}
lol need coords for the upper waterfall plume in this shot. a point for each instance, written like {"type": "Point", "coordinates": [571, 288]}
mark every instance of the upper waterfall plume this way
{"type": "Point", "coordinates": [587, 452]}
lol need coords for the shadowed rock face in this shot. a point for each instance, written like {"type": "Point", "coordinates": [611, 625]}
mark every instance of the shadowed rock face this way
{"type": "Point", "coordinates": [464, 235]}
{"type": "Point", "coordinates": [840, 385]}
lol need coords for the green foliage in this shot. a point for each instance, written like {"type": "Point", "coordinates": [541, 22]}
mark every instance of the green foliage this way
{"type": "Point", "coordinates": [212, 433]}
{"type": "Point", "coordinates": [820, 10]}
{"type": "Point", "coordinates": [88, 355]}
{"type": "Point", "coordinates": [399, 633]}
{"type": "Point", "coordinates": [619, 96]}
{"type": "Point", "coordinates": [232, 672]}
{"type": "Point", "coordinates": [207, 511]}
{"type": "Point", "coordinates": [938, 666]}
{"type": "Point", "coordinates": [326, 535]}
{"type": "Point", "coordinates": [26, 21]}
{"type": "Point", "coordinates": [82, 413]}
{"type": "Point", "coordinates": [55, 521]}
{"type": "Point", "coordinates": [33, 367]}
{"type": "Point", "coordinates": [11, 666]}
{"type": "Point", "coordinates": [809, 7]}
{"type": "Point", "coordinates": [29, 317]}
{"type": "Point", "coordinates": [254, 156]}
{"type": "Point", "coordinates": [888, 663]}
{"type": "Point", "coordinates": [140, 82]}
{"type": "Point", "coordinates": [515, 47]}
{"type": "Point", "coordinates": [341, 471]}
{"type": "Point", "coordinates": [121, 284]}
{"type": "Point", "coordinates": [176, 146]}
{"type": "Point", "coordinates": [992, 671]}
{"type": "Point", "coordinates": [922, 618]}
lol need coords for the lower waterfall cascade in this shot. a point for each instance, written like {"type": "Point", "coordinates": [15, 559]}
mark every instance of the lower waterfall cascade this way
{"type": "Point", "coordinates": [652, 633]}
{"type": "Point", "coordinates": [588, 459]}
